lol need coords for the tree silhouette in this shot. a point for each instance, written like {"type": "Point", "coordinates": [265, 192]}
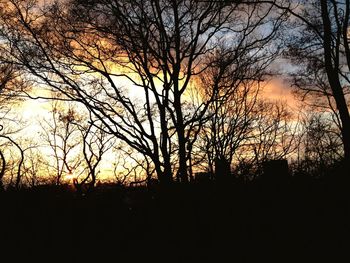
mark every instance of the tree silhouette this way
{"type": "Point", "coordinates": [10, 86]}
{"type": "Point", "coordinates": [95, 143]}
{"type": "Point", "coordinates": [62, 137]}
{"type": "Point", "coordinates": [322, 45]}
{"type": "Point", "coordinates": [86, 49]}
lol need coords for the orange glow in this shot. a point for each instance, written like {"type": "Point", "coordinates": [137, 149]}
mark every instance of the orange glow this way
{"type": "Point", "coordinates": [277, 89]}
{"type": "Point", "coordinates": [32, 111]}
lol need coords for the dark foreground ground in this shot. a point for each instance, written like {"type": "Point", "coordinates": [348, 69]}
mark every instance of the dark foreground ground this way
{"type": "Point", "coordinates": [296, 220]}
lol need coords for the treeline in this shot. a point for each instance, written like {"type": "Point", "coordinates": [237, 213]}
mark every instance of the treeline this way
{"type": "Point", "coordinates": [168, 89]}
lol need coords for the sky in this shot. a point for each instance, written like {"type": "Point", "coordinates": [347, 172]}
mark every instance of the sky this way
{"type": "Point", "coordinates": [33, 112]}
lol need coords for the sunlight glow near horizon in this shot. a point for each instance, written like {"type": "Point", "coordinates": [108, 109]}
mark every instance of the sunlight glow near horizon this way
{"type": "Point", "coordinates": [32, 111]}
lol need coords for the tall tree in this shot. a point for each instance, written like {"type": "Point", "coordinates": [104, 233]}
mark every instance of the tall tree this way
{"type": "Point", "coordinates": [322, 45]}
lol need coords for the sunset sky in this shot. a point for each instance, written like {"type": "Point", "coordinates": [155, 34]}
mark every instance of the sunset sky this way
{"type": "Point", "coordinates": [33, 112]}
{"type": "Point", "coordinates": [166, 91]}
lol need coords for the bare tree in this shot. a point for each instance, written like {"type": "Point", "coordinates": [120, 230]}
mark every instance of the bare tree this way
{"type": "Point", "coordinates": [34, 169]}
{"type": "Point", "coordinates": [95, 143]}
{"type": "Point", "coordinates": [16, 153]}
{"type": "Point", "coordinates": [159, 48]}
{"type": "Point", "coordinates": [275, 132]}
{"type": "Point", "coordinates": [231, 117]}
{"type": "Point", "coordinates": [246, 132]}
{"type": "Point", "coordinates": [9, 133]}
{"type": "Point", "coordinates": [63, 139]}
{"type": "Point", "coordinates": [321, 144]}
{"type": "Point", "coordinates": [229, 126]}
{"type": "Point", "coordinates": [9, 86]}
{"type": "Point", "coordinates": [321, 48]}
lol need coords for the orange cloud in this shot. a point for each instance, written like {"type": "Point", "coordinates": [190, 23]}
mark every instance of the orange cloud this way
{"type": "Point", "coordinates": [277, 89]}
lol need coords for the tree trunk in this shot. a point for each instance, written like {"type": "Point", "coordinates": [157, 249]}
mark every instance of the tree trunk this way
{"type": "Point", "coordinates": [343, 113]}
{"type": "Point", "coordinates": [334, 81]}
{"type": "Point", "coordinates": [182, 159]}
{"type": "Point", "coordinates": [2, 170]}
{"type": "Point", "coordinates": [183, 175]}
{"type": "Point", "coordinates": [164, 177]}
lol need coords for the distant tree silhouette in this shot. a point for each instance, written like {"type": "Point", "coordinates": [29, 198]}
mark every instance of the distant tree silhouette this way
{"type": "Point", "coordinates": [230, 124]}
{"type": "Point", "coordinates": [34, 171]}
{"type": "Point", "coordinates": [275, 133]}
{"type": "Point", "coordinates": [246, 128]}
{"type": "Point", "coordinates": [131, 165]}
{"type": "Point", "coordinates": [63, 139]}
{"type": "Point", "coordinates": [321, 144]}
{"type": "Point", "coordinates": [95, 143]}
